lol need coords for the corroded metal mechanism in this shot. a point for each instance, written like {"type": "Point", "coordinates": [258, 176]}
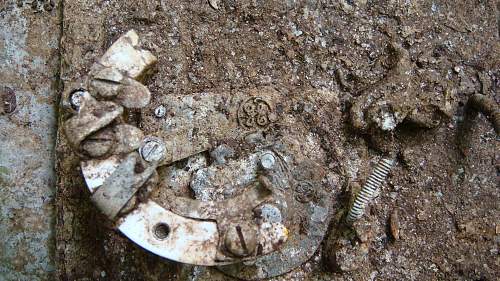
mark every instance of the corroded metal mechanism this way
{"type": "Point", "coordinates": [245, 197]}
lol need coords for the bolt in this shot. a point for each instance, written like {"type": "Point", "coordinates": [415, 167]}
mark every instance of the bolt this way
{"type": "Point", "coordinates": [153, 150]}
{"type": "Point", "coordinates": [76, 99]}
{"type": "Point", "coordinates": [241, 239]}
{"type": "Point", "coordinates": [267, 160]}
{"type": "Point", "coordinates": [160, 111]}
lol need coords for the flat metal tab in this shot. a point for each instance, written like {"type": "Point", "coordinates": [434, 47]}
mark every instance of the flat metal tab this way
{"type": "Point", "coordinates": [184, 240]}
{"type": "Point", "coordinates": [118, 188]}
{"type": "Point", "coordinates": [96, 171]}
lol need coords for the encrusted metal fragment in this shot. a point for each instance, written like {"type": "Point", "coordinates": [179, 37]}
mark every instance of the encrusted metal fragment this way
{"type": "Point", "coordinates": [123, 183]}
{"type": "Point", "coordinates": [256, 193]}
{"type": "Point", "coordinates": [195, 122]}
{"type": "Point", "coordinates": [128, 138]}
{"type": "Point", "coordinates": [126, 56]}
{"type": "Point", "coordinates": [108, 82]}
{"type": "Point", "coordinates": [105, 81]}
{"type": "Point", "coordinates": [379, 108]}
{"type": "Point", "coordinates": [96, 171]}
{"type": "Point", "coordinates": [92, 116]}
{"type": "Point", "coordinates": [99, 144]}
{"type": "Point", "coordinates": [188, 240]}
{"type": "Point", "coordinates": [133, 94]}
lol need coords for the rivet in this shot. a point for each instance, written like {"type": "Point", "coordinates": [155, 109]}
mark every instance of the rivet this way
{"type": "Point", "coordinates": [267, 160]}
{"type": "Point", "coordinates": [160, 111]}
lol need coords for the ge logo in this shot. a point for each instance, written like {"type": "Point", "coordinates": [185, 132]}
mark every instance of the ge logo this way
{"type": "Point", "coordinates": [256, 113]}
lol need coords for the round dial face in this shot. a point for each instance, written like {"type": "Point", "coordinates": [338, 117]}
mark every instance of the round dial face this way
{"type": "Point", "coordinates": [211, 178]}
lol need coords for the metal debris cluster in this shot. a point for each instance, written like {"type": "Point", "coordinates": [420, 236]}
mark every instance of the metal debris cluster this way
{"type": "Point", "coordinates": [274, 189]}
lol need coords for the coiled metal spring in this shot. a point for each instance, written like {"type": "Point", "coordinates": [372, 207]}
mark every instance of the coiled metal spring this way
{"type": "Point", "coordinates": [369, 190]}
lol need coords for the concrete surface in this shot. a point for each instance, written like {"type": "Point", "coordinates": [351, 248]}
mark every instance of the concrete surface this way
{"type": "Point", "coordinates": [29, 38]}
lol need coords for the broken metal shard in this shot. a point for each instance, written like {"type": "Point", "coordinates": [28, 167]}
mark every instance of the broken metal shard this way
{"type": "Point", "coordinates": [262, 195]}
{"type": "Point", "coordinates": [127, 56]}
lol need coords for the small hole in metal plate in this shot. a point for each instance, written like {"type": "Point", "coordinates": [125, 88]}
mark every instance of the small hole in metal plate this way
{"type": "Point", "coordinates": [161, 231]}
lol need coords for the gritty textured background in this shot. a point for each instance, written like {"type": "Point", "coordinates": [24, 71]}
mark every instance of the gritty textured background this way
{"type": "Point", "coordinates": [447, 202]}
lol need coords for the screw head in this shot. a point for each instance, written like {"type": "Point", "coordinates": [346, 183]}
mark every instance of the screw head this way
{"type": "Point", "coordinates": [153, 150]}
{"type": "Point", "coordinates": [160, 111]}
{"type": "Point", "coordinates": [267, 160]}
{"type": "Point", "coordinates": [76, 99]}
{"type": "Point", "coordinates": [241, 239]}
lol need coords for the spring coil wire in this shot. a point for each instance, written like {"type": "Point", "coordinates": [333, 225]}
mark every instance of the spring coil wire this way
{"type": "Point", "coordinates": [370, 189]}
